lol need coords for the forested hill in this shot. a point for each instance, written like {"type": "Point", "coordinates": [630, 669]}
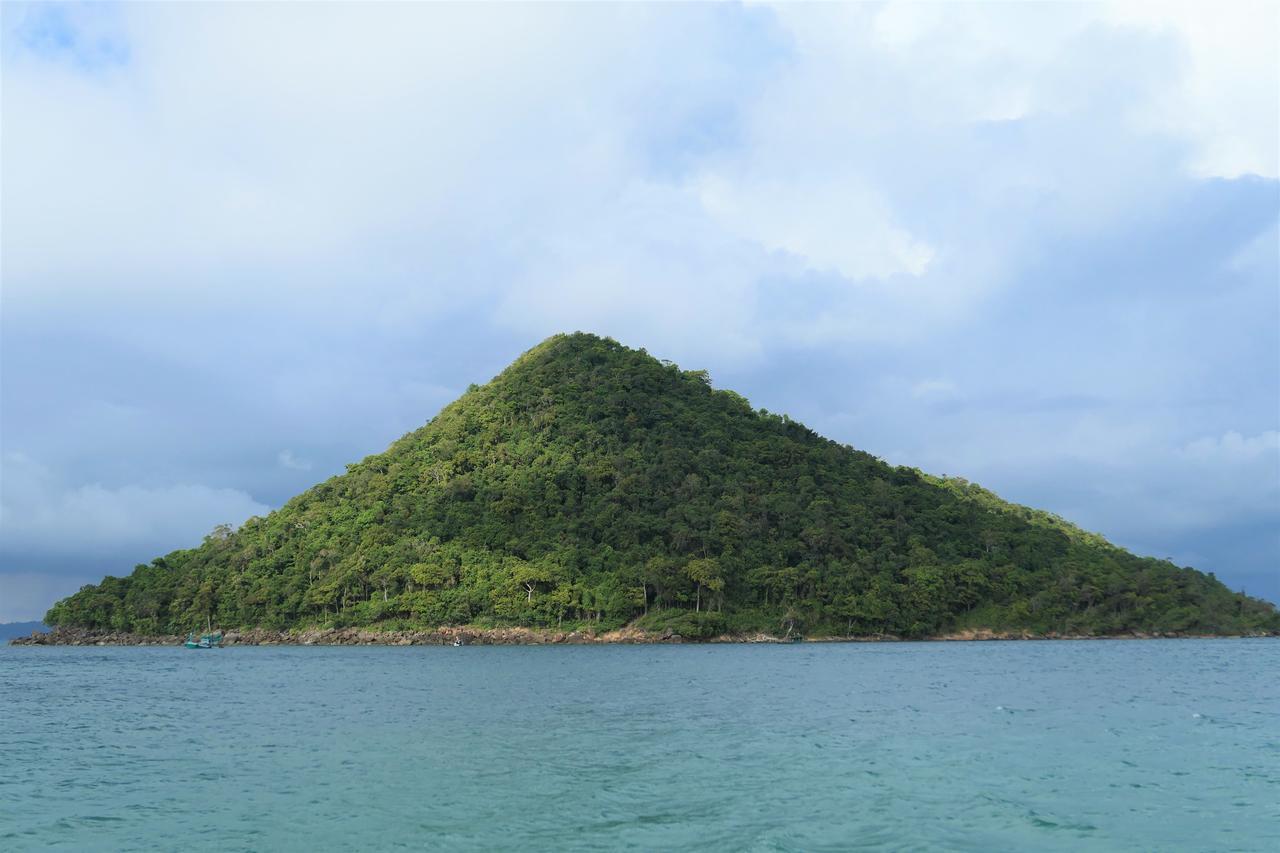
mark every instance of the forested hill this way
{"type": "Point", "coordinates": [592, 483]}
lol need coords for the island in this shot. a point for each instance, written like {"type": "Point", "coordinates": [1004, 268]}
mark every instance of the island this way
{"type": "Point", "coordinates": [591, 492]}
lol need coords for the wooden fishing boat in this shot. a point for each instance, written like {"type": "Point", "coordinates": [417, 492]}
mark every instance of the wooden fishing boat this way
{"type": "Point", "coordinates": [205, 641]}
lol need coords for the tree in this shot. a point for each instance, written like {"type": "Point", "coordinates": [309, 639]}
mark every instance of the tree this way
{"type": "Point", "coordinates": [706, 574]}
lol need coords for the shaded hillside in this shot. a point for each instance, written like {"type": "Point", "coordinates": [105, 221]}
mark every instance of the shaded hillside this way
{"type": "Point", "coordinates": [591, 483]}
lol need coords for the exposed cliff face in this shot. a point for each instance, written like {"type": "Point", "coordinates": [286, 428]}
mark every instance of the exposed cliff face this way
{"type": "Point", "coordinates": [590, 486]}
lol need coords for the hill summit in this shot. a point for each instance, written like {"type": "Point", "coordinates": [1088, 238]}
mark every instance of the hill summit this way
{"type": "Point", "coordinates": [591, 485]}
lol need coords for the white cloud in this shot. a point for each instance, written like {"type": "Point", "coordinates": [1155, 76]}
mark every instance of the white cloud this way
{"type": "Point", "coordinates": [1226, 100]}
{"type": "Point", "coordinates": [1232, 448]}
{"type": "Point", "coordinates": [41, 514]}
{"type": "Point", "coordinates": [286, 459]}
{"type": "Point", "coordinates": [836, 226]}
{"type": "Point", "coordinates": [233, 148]}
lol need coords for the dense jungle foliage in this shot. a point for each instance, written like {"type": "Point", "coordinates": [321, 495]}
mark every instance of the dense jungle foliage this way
{"type": "Point", "coordinates": [592, 485]}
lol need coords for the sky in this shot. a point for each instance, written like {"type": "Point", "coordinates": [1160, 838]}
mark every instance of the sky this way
{"type": "Point", "coordinates": [1033, 245]}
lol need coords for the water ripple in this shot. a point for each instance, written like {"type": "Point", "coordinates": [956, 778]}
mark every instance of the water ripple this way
{"type": "Point", "coordinates": [1053, 746]}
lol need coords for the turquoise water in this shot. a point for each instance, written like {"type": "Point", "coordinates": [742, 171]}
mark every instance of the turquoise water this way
{"type": "Point", "coordinates": [1154, 745]}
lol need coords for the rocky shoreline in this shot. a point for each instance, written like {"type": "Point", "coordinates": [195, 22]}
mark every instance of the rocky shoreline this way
{"type": "Point", "coordinates": [443, 636]}
{"type": "Point", "coordinates": [448, 636]}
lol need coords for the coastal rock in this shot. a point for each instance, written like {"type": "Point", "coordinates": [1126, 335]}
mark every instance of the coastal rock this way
{"type": "Point", "coordinates": [86, 637]}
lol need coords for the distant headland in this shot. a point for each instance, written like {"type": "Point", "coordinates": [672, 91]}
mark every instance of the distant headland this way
{"type": "Point", "coordinates": [9, 630]}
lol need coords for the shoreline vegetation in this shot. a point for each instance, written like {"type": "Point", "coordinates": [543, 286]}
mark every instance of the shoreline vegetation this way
{"type": "Point", "coordinates": [517, 636]}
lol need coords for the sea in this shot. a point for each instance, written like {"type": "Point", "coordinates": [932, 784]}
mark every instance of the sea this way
{"type": "Point", "coordinates": [1160, 745]}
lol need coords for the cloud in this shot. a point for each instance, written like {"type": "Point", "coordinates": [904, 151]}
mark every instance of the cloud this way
{"type": "Point", "coordinates": [288, 460]}
{"type": "Point", "coordinates": [834, 136]}
{"type": "Point", "coordinates": [1232, 448]}
{"type": "Point", "coordinates": [1032, 244]}
{"type": "Point", "coordinates": [39, 513]}
{"type": "Point", "coordinates": [1226, 102]}
{"type": "Point", "coordinates": [835, 227]}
